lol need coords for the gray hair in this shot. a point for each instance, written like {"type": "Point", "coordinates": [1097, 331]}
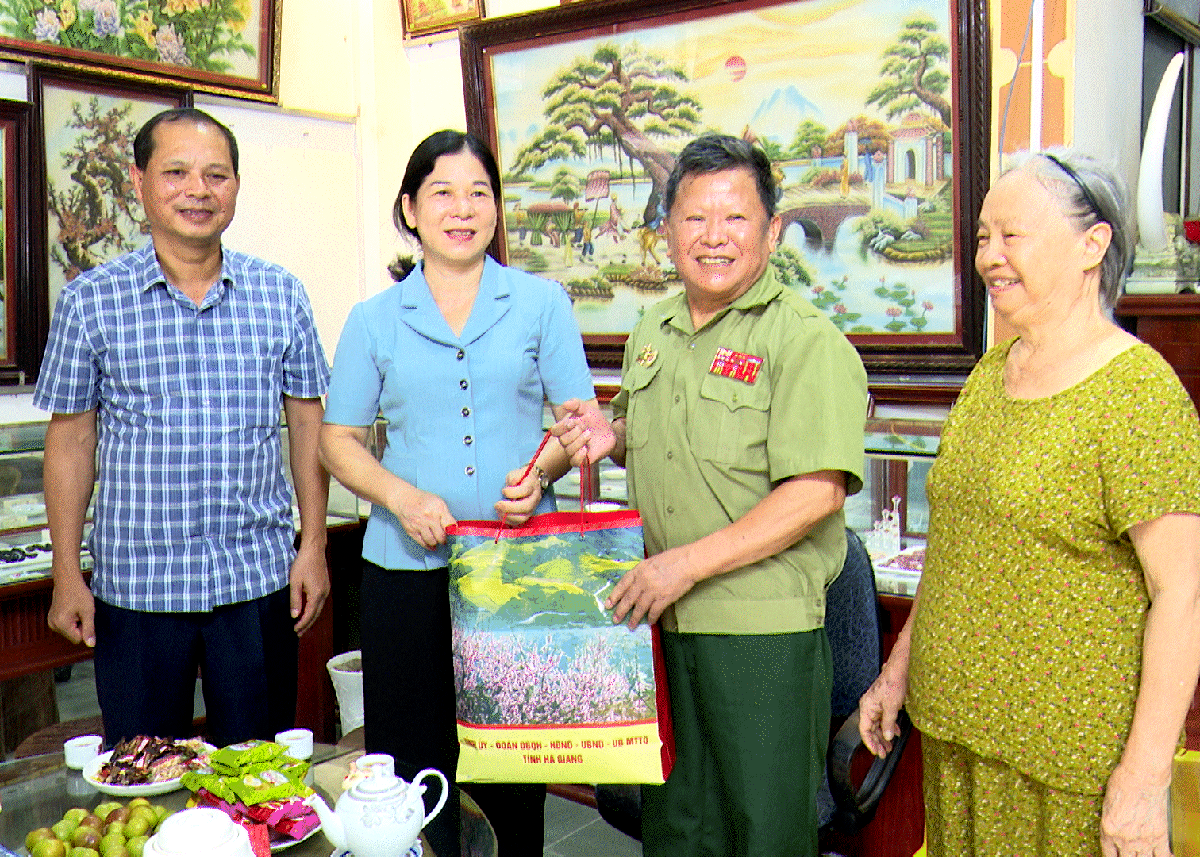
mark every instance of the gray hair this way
{"type": "Point", "coordinates": [715, 153]}
{"type": "Point", "coordinates": [1089, 192]}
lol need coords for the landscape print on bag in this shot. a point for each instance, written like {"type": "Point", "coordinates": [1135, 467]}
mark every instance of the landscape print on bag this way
{"type": "Point", "coordinates": [533, 644]}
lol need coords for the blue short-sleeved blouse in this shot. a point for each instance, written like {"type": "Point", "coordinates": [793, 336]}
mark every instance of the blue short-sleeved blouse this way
{"type": "Point", "coordinates": [462, 411]}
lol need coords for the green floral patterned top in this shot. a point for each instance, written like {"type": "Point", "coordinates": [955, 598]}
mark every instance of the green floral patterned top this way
{"type": "Point", "coordinates": [1027, 642]}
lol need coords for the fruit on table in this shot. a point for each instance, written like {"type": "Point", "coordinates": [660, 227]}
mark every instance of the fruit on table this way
{"type": "Point", "coordinates": [112, 829]}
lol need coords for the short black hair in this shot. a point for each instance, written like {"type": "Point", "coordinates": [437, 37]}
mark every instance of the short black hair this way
{"type": "Point", "coordinates": [714, 153]}
{"type": "Point", "coordinates": [423, 158]}
{"type": "Point", "coordinates": [143, 143]}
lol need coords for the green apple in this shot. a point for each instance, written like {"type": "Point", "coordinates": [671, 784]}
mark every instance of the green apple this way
{"type": "Point", "coordinates": [36, 835]}
{"type": "Point", "coordinates": [85, 837]}
{"type": "Point", "coordinates": [74, 814]}
{"type": "Point", "coordinates": [105, 808]}
{"type": "Point", "coordinates": [49, 848]}
{"type": "Point", "coordinates": [160, 812]}
{"type": "Point", "coordinates": [146, 811]}
{"type": "Point", "coordinates": [109, 840]}
{"type": "Point", "coordinates": [63, 829]}
{"type": "Point", "coordinates": [116, 851]}
{"type": "Point", "coordinates": [137, 826]}
{"type": "Point", "coordinates": [136, 844]}
{"type": "Point", "coordinates": [83, 852]}
{"type": "Point", "coordinates": [117, 827]}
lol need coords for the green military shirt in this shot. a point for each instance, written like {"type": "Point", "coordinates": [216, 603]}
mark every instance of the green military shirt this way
{"type": "Point", "coordinates": [704, 445]}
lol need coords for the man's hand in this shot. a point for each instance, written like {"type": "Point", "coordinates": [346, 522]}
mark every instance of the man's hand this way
{"type": "Point", "coordinates": [583, 431]}
{"type": "Point", "coordinates": [73, 611]}
{"type": "Point", "coordinates": [521, 496]}
{"type": "Point", "coordinates": [651, 587]}
{"type": "Point", "coordinates": [308, 586]}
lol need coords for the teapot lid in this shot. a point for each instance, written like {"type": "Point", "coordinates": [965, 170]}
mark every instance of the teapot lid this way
{"type": "Point", "coordinates": [380, 782]}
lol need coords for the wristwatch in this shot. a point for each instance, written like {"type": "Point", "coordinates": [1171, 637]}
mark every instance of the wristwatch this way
{"type": "Point", "coordinates": [543, 478]}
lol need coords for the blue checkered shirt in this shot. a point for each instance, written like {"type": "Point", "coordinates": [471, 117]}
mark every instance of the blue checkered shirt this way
{"type": "Point", "coordinates": [192, 510]}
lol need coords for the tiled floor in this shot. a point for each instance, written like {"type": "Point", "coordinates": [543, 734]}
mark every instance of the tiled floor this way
{"type": "Point", "coordinates": [572, 830]}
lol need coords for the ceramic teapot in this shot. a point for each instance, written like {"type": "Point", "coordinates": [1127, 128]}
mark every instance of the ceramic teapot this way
{"type": "Point", "coordinates": [199, 832]}
{"type": "Point", "coordinates": [380, 815]}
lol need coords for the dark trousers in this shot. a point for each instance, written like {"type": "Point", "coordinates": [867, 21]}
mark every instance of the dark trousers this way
{"type": "Point", "coordinates": [751, 721]}
{"type": "Point", "coordinates": [146, 665]}
{"type": "Point", "coordinates": [408, 706]}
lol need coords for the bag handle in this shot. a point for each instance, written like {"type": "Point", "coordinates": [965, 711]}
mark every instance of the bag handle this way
{"type": "Point", "coordinates": [524, 475]}
{"type": "Point", "coordinates": [586, 496]}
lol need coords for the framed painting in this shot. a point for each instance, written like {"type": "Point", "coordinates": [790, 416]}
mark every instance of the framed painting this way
{"type": "Point", "coordinates": [18, 356]}
{"type": "Point", "coordinates": [85, 210]}
{"type": "Point", "coordinates": [422, 17]}
{"type": "Point", "coordinates": [225, 46]}
{"type": "Point", "coordinates": [874, 113]}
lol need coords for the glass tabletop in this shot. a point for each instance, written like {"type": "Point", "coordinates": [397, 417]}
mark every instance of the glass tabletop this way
{"type": "Point", "coordinates": [37, 792]}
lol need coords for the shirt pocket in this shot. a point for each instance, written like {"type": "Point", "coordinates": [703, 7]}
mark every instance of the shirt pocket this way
{"type": "Point", "coordinates": [639, 419]}
{"type": "Point", "coordinates": [730, 422]}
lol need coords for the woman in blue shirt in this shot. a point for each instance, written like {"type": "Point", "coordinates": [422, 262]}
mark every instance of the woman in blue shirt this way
{"type": "Point", "coordinates": [458, 357]}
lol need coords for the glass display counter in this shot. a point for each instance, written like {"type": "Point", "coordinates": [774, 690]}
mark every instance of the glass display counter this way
{"type": "Point", "coordinates": [891, 513]}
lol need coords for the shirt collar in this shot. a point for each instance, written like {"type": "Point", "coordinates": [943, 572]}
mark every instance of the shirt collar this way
{"type": "Point", "coordinates": [765, 289]}
{"type": "Point", "coordinates": [149, 273]}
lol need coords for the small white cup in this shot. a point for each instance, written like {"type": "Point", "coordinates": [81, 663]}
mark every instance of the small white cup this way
{"type": "Point", "coordinates": [79, 751]}
{"type": "Point", "coordinates": [299, 742]}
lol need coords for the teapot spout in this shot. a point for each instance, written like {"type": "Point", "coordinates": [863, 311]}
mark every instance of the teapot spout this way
{"type": "Point", "coordinates": [331, 825]}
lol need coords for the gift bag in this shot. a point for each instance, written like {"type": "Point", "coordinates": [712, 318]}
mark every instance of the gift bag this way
{"type": "Point", "coordinates": [549, 690]}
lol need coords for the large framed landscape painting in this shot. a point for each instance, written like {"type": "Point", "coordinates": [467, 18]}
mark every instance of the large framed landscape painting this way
{"type": "Point", "coordinates": [875, 114]}
{"type": "Point", "coordinates": [226, 46]}
{"type": "Point", "coordinates": [86, 212]}
{"type": "Point", "coordinates": [18, 356]}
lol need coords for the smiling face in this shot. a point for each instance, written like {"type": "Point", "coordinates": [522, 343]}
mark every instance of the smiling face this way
{"type": "Point", "coordinates": [454, 212]}
{"type": "Point", "coordinates": [1036, 262]}
{"type": "Point", "coordinates": [720, 238]}
{"type": "Point", "coordinates": [188, 189]}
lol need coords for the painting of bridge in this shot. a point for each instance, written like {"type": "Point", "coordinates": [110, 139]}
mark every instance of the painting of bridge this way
{"type": "Point", "coordinates": [850, 99]}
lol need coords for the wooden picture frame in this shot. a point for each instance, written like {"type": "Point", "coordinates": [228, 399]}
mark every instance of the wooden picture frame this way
{"type": "Point", "coordinates": [19, 354]}
{"type": "Point", "coordinates": [224, 46]}
{"type": "Point", "coordinates": [574, 95]}
{"type": "Point", "coordinates": [425, 17]}
{"type": "Point", "coordinates": [84, 211]}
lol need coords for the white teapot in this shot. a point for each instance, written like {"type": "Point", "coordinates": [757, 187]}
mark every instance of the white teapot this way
{"type": "Point", "coordinates": [380, 815]}
{"type": "Point", "coordinates": [199, 832]}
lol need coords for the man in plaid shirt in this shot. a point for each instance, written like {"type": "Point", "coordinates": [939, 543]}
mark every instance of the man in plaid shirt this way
{"type": "Point", "coordinates": [165, 372]}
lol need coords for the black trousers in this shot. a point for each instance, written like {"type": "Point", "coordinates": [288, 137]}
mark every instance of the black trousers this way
{"type": "Point", "coordinates": [408, 706]}
{"type": "Point", "coordinates": [146, 666]}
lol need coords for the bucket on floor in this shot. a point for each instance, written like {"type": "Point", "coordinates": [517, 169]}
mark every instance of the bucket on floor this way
{"type": "Point", "coordinates": [346, 671]}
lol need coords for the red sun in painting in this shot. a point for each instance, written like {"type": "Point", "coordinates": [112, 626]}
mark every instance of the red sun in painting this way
{"type": "Point", "coordinates": [736, 66]}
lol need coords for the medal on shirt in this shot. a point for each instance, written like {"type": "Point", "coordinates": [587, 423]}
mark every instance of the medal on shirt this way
{"type": "Point", "coordinates": [736, 365]}
{"type": "Point", "coordinates": [647, 356]}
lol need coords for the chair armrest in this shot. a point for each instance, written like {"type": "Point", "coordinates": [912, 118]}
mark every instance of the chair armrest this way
{"type": "Point", "coordinates": [856, 805]}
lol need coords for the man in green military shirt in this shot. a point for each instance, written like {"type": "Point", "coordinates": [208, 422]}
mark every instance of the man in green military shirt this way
{"type": "Point", "coordinates": [740, 421]}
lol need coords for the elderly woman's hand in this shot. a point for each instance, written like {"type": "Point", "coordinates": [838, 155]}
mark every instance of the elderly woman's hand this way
{"type": "Point", "coordinates": [880, 706]}
{"type": "Point", "coordinates": [521, 496]}
{"type": "Point", "coordinates": [1134, 820]}
{"type": "Point", "coordinates": [583, 430]}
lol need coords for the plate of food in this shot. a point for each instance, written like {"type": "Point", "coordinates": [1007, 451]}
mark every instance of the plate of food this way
{"type": "Point", "coordinates": [144, 766]}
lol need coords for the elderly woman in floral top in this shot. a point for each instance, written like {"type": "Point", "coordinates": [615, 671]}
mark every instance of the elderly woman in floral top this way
{"type": "Point", "coordinates": [1054, 647]}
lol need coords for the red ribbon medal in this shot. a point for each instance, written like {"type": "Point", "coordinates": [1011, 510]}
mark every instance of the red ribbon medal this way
{"type": "Point", "coordinates": [736, 365]}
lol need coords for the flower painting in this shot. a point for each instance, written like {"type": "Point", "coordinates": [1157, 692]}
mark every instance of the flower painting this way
{"type": "Point", "coordinates": [853, 102]}
{"type": "Point", "coordinates": [213, 44]}
{"type": "Point", "coordinates": [92, 212]}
